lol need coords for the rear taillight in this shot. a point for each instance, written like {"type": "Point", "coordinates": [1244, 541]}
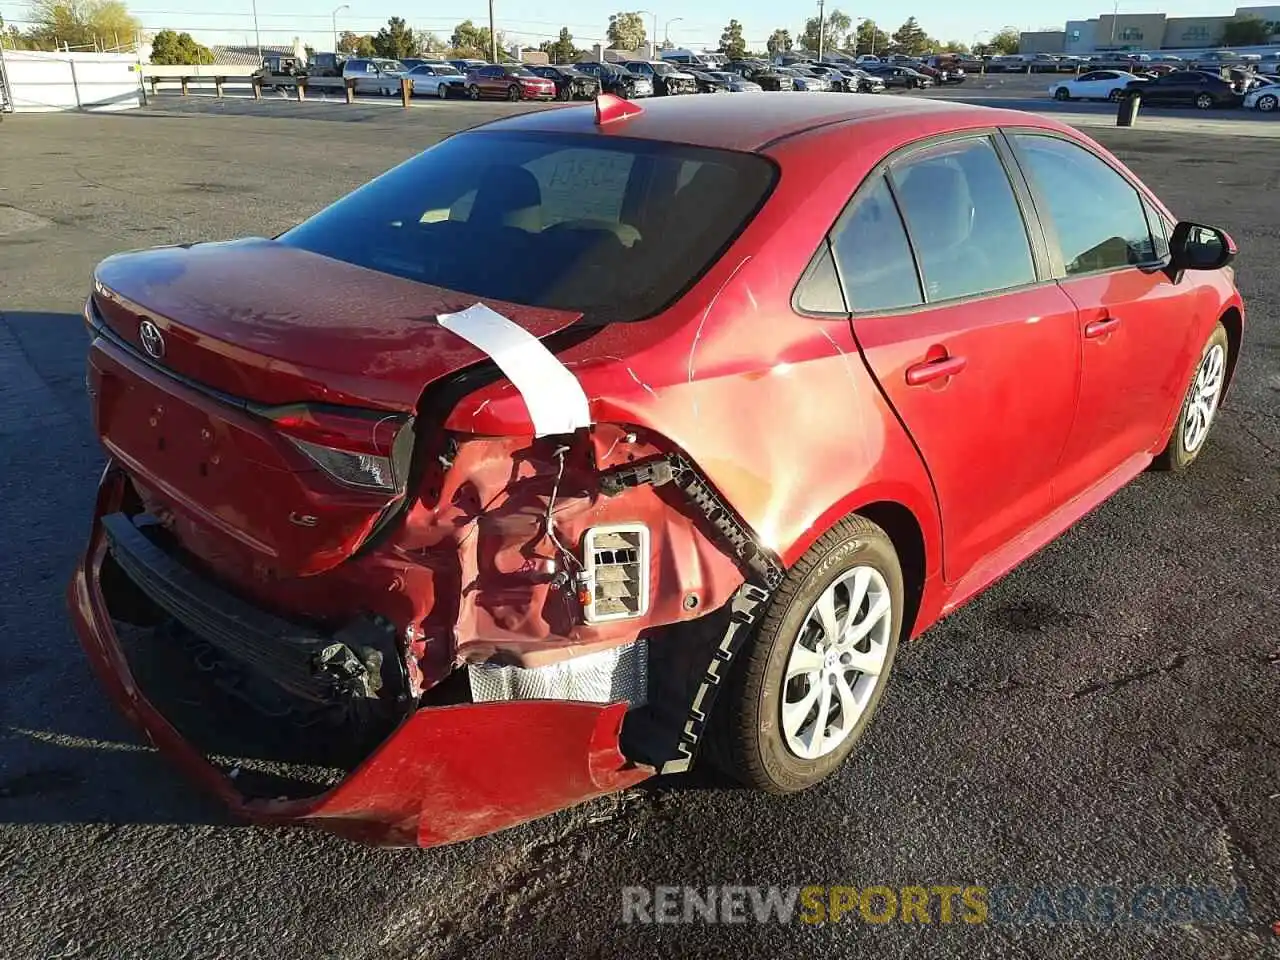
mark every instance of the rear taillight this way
{"type": "Point", "coordinates": [358, 449]}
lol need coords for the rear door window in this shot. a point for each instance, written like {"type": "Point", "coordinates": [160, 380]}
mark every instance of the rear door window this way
{"type": "Point", "coordinates": [964, 220]}
{"type": "Point", "coordinates": [872, 253]}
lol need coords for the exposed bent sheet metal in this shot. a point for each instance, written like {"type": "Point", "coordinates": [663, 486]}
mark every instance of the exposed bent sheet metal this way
{"type": "Point", "coordinates": [556, 401]}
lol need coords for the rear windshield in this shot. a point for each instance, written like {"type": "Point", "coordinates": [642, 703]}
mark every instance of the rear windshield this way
{"type": "Point", "coordinates": [614, 229]}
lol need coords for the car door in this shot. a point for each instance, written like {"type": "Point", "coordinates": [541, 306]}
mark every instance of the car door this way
{"type": "Point", "coordinates": [1109, 246]}
{"type": "Point", "coordinates": [970, 339]}
{"type": "Point", "coordinates": [1085, 86]}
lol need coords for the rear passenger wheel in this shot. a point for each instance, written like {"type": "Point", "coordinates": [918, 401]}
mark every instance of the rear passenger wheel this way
{"type": "Point", "coordinates": [809, 680]}
{"type": "Point", "coordinates": [1199, 406]}
{"type": "Point", "coordinates": [1204, 101]}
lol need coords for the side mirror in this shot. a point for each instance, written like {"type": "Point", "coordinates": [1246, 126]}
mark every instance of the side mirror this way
{"type": "Point", "coordinates": [1194, 246]}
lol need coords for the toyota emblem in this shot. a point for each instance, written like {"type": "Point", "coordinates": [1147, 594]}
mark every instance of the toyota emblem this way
{"type": "Point", "coordinates": [152, 341]}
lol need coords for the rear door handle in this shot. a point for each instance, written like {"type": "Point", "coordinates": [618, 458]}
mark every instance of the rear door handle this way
{"type": "Point", "coordinates": [931, 370]}
{"type": "Point", "coordinates": [1100, 328]}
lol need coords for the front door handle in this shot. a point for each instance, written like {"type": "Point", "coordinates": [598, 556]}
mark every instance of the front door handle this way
{"type": "Point", "coordinates": [931, 370]}
{"type": "Point", "coordinates": [1100, 328]}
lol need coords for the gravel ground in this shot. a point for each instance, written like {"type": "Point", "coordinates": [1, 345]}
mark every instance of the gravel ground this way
{"type": "Point", "coordinates": [1104, 716]}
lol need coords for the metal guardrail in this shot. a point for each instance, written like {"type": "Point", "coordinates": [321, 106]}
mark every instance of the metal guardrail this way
{"type": "Point", "coordinates": [300, 85]}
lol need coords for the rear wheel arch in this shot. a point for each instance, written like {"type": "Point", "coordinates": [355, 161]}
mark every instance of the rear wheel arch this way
{"type": "Point", "coordinates": [1233, 322]}
{"type": "Point", "coordinates": [908, 542]}
{"type": "Point", "coordinates": [914, 530]}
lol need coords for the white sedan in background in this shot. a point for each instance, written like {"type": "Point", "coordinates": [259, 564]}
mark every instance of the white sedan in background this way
{"type": "Point", "coordinates": [1097, 85]}
{"type": "Point", "coordinates": [1265, 96]}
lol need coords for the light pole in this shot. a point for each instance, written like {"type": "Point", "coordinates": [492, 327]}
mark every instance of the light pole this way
{"type": "Point", "coordinates": [666, 30]}
{"type": "Point", "coordinates": [493, 37]}
{"type": "Point", "coordinates": [337, 11]}
{"type": "Point", "coordinates": [822, 29]}
{"type": "Point", "coordinates": [653, 43]}
{"type": "Point", "coordinates": [257, 37]}
{"type": "Point", "coordinates": [1115, 12]}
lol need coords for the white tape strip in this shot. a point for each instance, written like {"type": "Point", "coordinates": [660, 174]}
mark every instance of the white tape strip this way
{"type": "Point", "coordinates": [556, 401]}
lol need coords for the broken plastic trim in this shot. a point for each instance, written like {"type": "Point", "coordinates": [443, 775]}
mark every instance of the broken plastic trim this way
{"type": "Point", "coordinates": [763, 569]}
{"type": "Point", "coordinates": [757, 559]}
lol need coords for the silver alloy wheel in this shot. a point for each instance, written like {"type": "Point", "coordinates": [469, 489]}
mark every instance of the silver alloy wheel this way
{"type": "Point", "coordinates": [442, 91]}
{"type": "Point", "coordinates": [836, 662]}
{"type": "Point", "coordinates": [1202, 403]}
{"type": "Point", "coordinates": [1204, 101]}
{"type": "Point", "coordinates": [1268, 103]}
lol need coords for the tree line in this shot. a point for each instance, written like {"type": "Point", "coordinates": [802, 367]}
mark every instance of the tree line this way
{"type": "Point", "coordinates": [73, 24]}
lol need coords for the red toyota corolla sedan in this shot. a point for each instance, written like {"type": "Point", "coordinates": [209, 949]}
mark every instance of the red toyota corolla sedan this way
{"type": "Point", "coordinates": [590, 437]}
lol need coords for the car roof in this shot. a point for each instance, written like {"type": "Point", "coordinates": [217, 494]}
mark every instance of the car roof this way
{"type": "Point", "coordinates": [749, 123]}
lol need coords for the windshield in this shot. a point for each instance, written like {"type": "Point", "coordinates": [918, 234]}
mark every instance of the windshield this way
{"type": "Point", "coordinates": [615, 231]}
{"type": "Point", "coordinates": [389, 66]}
{"type": "Point", "coordinates": [520, 72]}
{"type": "Point", "coordinates": [441, 69]}
{"type": "Point", "coordinates": [662, 69]}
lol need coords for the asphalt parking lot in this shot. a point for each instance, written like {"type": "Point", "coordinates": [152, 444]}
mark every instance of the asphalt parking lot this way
{"type": "Point", "coordinates": [1106, 716]}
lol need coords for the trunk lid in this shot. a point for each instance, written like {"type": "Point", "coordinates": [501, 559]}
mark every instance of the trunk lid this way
{"type": "Point", "coordinates": [274, 325]}
{"type": "Point", "coordinates": [277, 327]}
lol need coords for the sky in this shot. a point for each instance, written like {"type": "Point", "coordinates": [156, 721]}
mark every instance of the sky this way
{"type": "Point", "coordinates": [530, 21]}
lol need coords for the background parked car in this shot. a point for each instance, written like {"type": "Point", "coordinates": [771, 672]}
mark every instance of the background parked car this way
{"type": "Point", "coordinates": [759, 72]}
{"type": "Point", "coordinates": [735, 83]}
{"type": "Point", "coordinates": [708, 81]}
{"type": "Point", "coordinates": [900, 76]}
{"type": "Point", "coordinates": [866, 82]}
{"type": "Point", "coordinates": [276, 67]}
{"type": "Point", "coordinates": [1203, 90]}
{"type": "Point", "coordinates": [1265, 96]}
{"type": "Point", "coordinates": [374, 75]}
{"type": "Point", "coordinates": [941, 75]}
{"type": "Point", "coordinates": [466, 65]}
{"type": "Point", "coordinates": [613, 79]}
{"type": "Point", "coordinates": [437, 79]}
{"type": "Point", "coordinates": [803, 79]}
{"type": "Point", "coordinates": [667, 80]}
{"type": "Point", "coordinates": [510, 82]}
{"type": "Point", "coordinates": [325, 65]}
{"type": "Point", "coordinates": [571, 83]}
{"type": "Point", "coordinates": [1095, 85]}
{"type": "Point", "coordinates": [835, 77]}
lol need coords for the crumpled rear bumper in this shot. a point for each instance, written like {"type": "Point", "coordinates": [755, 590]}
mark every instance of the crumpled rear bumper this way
{"type": "Point", "coordinates": [445, 774]}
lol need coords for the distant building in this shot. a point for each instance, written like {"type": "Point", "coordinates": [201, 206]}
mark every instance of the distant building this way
{"type": "Point", "coordinates": [1143, 32]}
{"type": "Point", "coordinates": [248, 56]}
{"type": "Point", "coordinates": [1042, 41]}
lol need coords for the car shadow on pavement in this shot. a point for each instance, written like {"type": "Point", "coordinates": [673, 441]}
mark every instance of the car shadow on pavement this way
{"type": "Point", "coordinates": [66, 755]}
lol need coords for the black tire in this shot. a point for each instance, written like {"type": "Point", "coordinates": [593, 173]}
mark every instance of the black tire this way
{"type": "Point", "coordinates": [513, 93]}
{"type": "Point", "coordinates": [1175, 457]}
{"type": "Point", "coordinates": [564, 94]}
{"type": "Point", "coordinates": [1115, 96]}
{"type": "Point", "coordinates": [1062, 93]}
{"type": "Point", "coordinates": [473, 92]}
{"type": "Point", "coordinates": [748, 743]}
{"type": "Point", "coordinates": [1204, 101]}
{"type": "Point", "coordinates": [442, 91]}
{"type": "Point", "coordinates": [1268, 103]}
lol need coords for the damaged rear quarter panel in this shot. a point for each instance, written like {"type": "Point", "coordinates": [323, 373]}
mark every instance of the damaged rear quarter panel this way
{"type": "Point", "coordinates": [484, 534]}
{"type": "Point", "coordinates": [777, 410]}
